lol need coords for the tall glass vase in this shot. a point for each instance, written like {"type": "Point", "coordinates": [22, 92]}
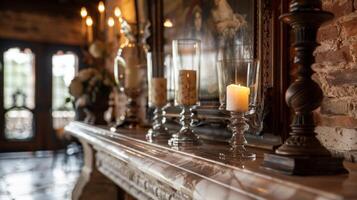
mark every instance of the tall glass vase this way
{"type": "Point", "coordinates": [186, 59]}
{"type": "Point", "coordinates": [128, 73]}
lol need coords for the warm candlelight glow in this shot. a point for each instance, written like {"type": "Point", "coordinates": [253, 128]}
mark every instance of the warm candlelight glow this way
{"type": "Point", "coordinates": [168, 23]}
{"type": "Point", "coordinates": [110, 31]}
{"type": "Point", "coordinates": [117, 12]}
{"type": "Point", "coordinates": [89, 21]}
{"type": "Point", "coordinates": [84, 12]}
{"type": "Point", "coordinates": [101, 7]}
{"type": "Point", "coordinates": [111, 22]}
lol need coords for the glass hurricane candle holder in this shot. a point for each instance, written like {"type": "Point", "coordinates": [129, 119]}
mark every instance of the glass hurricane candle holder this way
{"type": "Point", "coordinates": [158, 98]}
{"type": "Point", "coordinates": [226, 58]}
{"type": "Point", "coordinates": [170, 76]}
{"type": "Point", "coordinates": [186, 60]}
{"type": "Point", "coordinates": [128, 75]}
{"type": "Point", "coordinates": [240, 88]}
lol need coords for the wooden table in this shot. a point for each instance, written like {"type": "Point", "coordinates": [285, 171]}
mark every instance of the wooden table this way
{"type": "Point", "coordinates": [156, 171]}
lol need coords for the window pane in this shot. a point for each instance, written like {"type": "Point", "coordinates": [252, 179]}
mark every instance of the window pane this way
{"type": "Point", "coordinates": [64, 67]}
{"type": "Point", "coordinates": [18, 124]}
{"type": "Point", "coordinates": [19, 93]}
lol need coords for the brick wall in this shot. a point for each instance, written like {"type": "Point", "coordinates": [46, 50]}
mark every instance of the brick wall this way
{"type": "Point", "coordinates": [336, 67]}
{"type": "Point", "coordinates": [40, 27]}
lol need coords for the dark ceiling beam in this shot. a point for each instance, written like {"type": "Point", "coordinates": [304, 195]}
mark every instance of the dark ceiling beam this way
{"type": "Point", "coordinates": [68, 8]}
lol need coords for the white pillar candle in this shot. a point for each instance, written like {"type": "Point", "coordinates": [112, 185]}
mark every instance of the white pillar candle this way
{"type": "Point", "coordinates": [237, 98]}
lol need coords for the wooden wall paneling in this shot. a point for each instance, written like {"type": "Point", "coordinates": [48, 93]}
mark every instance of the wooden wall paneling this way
{"type": "Point", "coordinates": [157, 35]}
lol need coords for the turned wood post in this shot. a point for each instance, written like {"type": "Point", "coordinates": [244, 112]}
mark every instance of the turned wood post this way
{"type": "Point", "coordinates": [304, 95]}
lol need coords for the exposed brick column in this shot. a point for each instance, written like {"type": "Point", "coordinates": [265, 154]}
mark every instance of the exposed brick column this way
{"type": "Point", "coordinates": [336, 72]}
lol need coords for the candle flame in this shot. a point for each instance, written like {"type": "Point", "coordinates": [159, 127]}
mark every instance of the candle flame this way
{"type": "Point", "coordinates": [89, 21]}
{"type": "Point", "coordinates": [101, 7]}
{"type": "Point", "coordinates": [168, 23]}
{"type": "Point", "coordinates": [84, 12]}
{"type": "Point", "coordinates": [111, 22]}
{"type": "Point", "coordinates": [117, 12]}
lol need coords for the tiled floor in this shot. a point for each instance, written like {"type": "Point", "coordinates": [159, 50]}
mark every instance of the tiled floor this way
{"type": "Point", "coordinates": [37, 176]}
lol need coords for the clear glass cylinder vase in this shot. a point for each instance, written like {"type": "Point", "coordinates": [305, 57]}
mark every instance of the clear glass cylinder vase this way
{"type": "Point", "coordinates": [186, 60]}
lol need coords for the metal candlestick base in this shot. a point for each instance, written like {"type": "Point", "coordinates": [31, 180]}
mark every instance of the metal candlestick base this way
{"type": "Point", "coordinates": [186, 136]}
{"type": "Point", "coordinates": [158, 131]}
{"type": "Point", "coordinates": [237, 142]}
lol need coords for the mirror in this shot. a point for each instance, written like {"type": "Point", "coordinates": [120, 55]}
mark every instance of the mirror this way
{"type": "Point", "coordinates": [227, 28]}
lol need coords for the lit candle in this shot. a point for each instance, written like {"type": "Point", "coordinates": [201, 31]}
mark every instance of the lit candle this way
{"type": "Point", "coordinates": [110, 33]}
{"type": "Point", "coordinates": [117, 14]}
{"type": "Point", "coordinates": [84, 14]}
{"type": "Point", "coordinates": [237, 98]}
{"type": "Point", "coordinates": [159, 91]}
{"type": "Point", "coordinates": [187, 88]}
{"type": "Point", "coordinates": [89, 23]}
{"type": "Point", "coordinates": [101, 9]}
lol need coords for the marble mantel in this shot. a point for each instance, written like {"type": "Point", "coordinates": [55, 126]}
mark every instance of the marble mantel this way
{"type": "Point", "coordinates": [155, 171]}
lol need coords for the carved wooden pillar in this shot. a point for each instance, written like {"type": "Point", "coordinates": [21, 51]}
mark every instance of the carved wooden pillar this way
{"type": "Point", "coordinates": [302, 153]}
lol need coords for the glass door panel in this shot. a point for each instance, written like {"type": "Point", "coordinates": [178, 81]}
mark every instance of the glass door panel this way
{"type": "Point", "coordinates": [19, 94]}
{"type": "Point", "coordinates": [64, 68]}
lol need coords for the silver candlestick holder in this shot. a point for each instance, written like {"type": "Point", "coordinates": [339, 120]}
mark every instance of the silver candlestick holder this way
{"type": "Point", "coordinates": [186, 135]}
{"type": "Point", "coordinates": [158, 130]}
{"type": "Point", "coordinates": [158, 98]}
{"type": "Point", "coordinates": [239, 126]}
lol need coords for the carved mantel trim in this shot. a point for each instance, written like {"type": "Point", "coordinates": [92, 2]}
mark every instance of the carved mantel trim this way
{"type": "Point", "coordinates": [150, 171]}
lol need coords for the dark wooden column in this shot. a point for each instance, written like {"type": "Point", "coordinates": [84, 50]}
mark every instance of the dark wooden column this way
{"type": "Point", "coordinates": [302, 153]}
{"type": "Point", "coordinates": [157, 16]}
